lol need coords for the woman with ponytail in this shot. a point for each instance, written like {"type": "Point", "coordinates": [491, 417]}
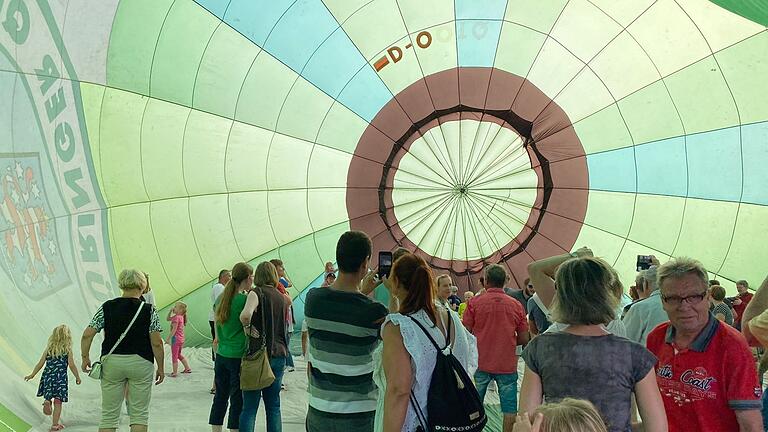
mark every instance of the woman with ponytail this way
{"type": "Point", "coordinates": [405, 361]}
{"type": "Point", "coordinates": [230, 344]}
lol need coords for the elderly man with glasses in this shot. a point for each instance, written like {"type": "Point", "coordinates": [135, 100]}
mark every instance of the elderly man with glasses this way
{"type": "Point", "coordinates": [705, 370]}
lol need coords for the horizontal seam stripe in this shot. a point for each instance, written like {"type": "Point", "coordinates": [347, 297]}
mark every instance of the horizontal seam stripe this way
{"type": "Point", "coordinates": [342, 328]}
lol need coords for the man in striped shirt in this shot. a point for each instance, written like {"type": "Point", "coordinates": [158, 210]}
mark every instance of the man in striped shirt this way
{"type": "Point", "coordinates": [343, 324]}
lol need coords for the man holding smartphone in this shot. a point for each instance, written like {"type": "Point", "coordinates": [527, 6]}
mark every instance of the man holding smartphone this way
{"type": "Point", "coordinates": [344, 322]}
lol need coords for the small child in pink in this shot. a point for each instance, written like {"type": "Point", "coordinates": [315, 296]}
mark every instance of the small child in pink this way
{"type": "Point", "coordinates": [178, 318]}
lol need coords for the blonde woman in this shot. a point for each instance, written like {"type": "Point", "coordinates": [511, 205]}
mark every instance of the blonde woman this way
{"type": "Point", "coordinates": [568, 415]}
{"type": "Point", "coordinates": [132, 359]}
{"type": "Point", "coordinates": [54, 386]}
{"type": "Point", "coordinates": [585, 360]}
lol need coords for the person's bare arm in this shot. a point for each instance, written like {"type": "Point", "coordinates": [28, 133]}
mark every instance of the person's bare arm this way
{"type": "Point", "coordinates": [531, 392]}
{"type": "Point", "coordinates": [170, 313]}
{"type": "Point", "coordinates": [73, 367]}
{"type": "Point", "coordinates": [39, 366]}
{"type": "Point", "coordinates": [749, 420]}
{"type": "Point", "coordinates": [85, 348]}
{"type": "Point", "coordinates": [157, 349]}
{"type": "Point", "coordinates": [523, 338]}
{"type": "Point", "coordinates": [650, 404]}
{"type": "Point", "coordinates": [542, 274]}
{"type": "Point", "coordinates": [397, 369]}
{"type": "Point", "coordinates": [532, 328]}
{"type": "Point", "coordinates": [251, 303]}
{"type": "Point", "coordinates": [174, 327]}
{"type": "Point", "coordinates": [757, 305]}
{"type": "Point", "coordinates": [304, 343]}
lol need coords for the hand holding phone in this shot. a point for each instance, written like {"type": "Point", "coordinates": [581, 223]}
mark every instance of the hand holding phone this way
{"type": "Point", "coordinates": [644, 262]}
{"type": "Point", "coordinates": [385, 263]}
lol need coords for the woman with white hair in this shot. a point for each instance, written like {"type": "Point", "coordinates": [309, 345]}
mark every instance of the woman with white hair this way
{"type": "Point", "coordinates": [132, 342]}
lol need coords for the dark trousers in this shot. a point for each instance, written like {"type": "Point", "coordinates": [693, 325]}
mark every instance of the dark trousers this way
{"type": "Point", "coordinates": [213, 336]}
{"type": "Point", "coordinates": [227, 379]}
{"type": "Point", "coordinates": [289, 357]}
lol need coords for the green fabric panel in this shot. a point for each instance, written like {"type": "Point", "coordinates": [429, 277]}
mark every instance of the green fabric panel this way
{"type": "Point", "coordinates": [755, 10]}
{"type": "Point", "coordinates": [702, 97]}
{"type": "Point", "coordinates": [180, 48]}
{"type": "Point", "coordinates": [132, 42]}
{"type": "Point", "coordinates": [603, 131]}
{"type": "Point", "coordinates": [745, 66]}
{"type": "Point", "coordinates": [10, 422]}
{"type": "Point", "coordinates": [222, 70]}
{"type": "Point", "coordinates": [650, 114]}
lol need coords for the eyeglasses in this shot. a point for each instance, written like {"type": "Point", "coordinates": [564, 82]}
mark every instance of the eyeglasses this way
{"type": "Point", "coordinates": [691, 299]}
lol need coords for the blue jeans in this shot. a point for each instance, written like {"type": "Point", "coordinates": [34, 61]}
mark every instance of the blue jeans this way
{"type": "Point", "coordinates": [507, 384]}
{"type": "Point", "coordinates": [227, 378]}
{"type": "Point", "coordinates": [271, 395]}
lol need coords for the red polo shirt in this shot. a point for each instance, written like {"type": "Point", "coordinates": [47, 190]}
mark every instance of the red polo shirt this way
{"type": "Point", "coordinates": [496, 319]}
{"type": "Point", "coordinates": [703, 385]}
{"type": "Point", "coordinates": [745, 299]}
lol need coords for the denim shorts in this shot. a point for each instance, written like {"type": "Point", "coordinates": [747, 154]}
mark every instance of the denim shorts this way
{"type": "Point", "coordinates": [507, 384]}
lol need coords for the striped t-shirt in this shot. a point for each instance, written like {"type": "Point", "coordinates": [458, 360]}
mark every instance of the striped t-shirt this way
{"type": "Point", "coordinates": [343, 334]}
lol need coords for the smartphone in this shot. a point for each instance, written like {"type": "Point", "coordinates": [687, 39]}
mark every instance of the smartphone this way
{"type": "Point", "coordinates": [385, 263]}
{"type": "Point", "coordinates": [643, 262]}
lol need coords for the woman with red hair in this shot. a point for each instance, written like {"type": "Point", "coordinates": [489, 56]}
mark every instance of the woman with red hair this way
{"type": "Point", "coordinates": [406, 359]}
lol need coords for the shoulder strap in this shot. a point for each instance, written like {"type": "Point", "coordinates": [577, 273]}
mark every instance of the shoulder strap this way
{"type": "Point", "coordinates": [261, 308]}
{"type": "Point", "coordinates": [447, 336]}
{"type": "Point", "coordinates": [122, 336]}
{"type": "Point", "coordinates": [422, 419]}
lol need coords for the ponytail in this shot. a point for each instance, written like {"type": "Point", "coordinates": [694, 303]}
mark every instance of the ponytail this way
{"type": "Point", "coordinates": [412, 272]}
{"type": "Point", "coordinates": [240, 272]}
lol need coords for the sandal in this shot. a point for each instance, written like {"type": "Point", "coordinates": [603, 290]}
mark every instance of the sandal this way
{"type": "Point", "coordinates": [57, 427]}
{"type": "Point", "coordinates": [187, 371]}
{"type": "Point", "coordinates": [47, 410]}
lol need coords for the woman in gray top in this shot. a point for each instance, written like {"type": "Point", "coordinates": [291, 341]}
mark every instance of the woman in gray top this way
{"type": "Point", "coordinates": [584, 360]}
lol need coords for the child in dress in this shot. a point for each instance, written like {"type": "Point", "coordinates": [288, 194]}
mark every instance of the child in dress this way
{"type": "Point", "coordinates": [54, 381]}
{"type": "Point", "coordinates": [178, 318]}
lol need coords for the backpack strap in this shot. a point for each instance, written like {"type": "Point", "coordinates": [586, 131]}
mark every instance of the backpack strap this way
{"type": "Point", "coordinates": [419, 413]}
{"type": "Point", "coordinates": [447, 336]}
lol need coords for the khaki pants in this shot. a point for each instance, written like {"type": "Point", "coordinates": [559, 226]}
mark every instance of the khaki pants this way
{"type": "Point", "coordinates": [137, 373]}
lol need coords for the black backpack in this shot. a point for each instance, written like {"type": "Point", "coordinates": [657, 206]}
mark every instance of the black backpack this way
{"type": "Point", "coordinates": [453, 403]}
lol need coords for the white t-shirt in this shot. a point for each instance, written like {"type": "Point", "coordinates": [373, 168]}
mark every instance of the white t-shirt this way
{"type": "Point", "coordinates": [215, 293]}
{"type": "Point", "coordinates": [149, 298]}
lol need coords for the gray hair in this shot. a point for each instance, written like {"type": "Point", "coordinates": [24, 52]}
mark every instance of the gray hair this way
{"type": "Point", "coordinates": [679, 267]}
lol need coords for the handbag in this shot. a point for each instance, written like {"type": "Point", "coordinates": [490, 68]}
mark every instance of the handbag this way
{"type": "Point", "coordinates": [96, 371]}
{"type": "Point", "coordinates": [255, 370]}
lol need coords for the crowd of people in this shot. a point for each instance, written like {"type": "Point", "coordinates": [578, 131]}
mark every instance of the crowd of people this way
{"type": "Point", "coordinates": [677, 358]}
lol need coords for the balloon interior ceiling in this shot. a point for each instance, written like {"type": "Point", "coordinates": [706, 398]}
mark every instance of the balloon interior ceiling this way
{"type": "Point", "coordinates": [179, 137]}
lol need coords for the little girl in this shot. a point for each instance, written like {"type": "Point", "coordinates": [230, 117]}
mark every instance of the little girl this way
{"type": "Point", "coordinates": [178, 318]}
{"type": "Point", "coordinates": [54, 383]}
